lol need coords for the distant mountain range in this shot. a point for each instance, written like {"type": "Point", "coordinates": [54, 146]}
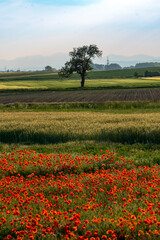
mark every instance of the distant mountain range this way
{"type": "Point", "coordinates": [34, 62]}
{"type": "Point", "coordinates": [57, 61]}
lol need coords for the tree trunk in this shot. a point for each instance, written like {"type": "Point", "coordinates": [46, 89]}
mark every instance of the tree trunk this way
{"type": "Point", "coordinates": [82, 80]}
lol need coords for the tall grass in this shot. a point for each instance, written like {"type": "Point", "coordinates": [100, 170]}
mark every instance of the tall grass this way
{"type": "Point", "coordinates": [110, 106]}
{"type": "Point", "coordinates": [56, 127]}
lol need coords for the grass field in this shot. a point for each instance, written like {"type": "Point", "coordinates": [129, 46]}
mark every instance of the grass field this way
{"type": "Point", "coordinates": [116, 107]}
{"type": "Point", "coordinates": [123, 73]}
{"type": "Point", "coordinates": [94, 80]}
{"type": "Point", "coordinates": [56, 84]}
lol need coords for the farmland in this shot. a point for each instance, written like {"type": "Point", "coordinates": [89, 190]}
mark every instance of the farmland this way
{"type": "Point", "coordinates": [79, 164]}
{"type": "Point", "coordinates": [94, 80]}
{"type": "Point", "coordinates": [60, 84]}
{"type": "Point", "coordinates": [80, 96]}
{"type": "Point", "coordinates": [123, 73]}
{"type": "Point", "coordinates": [71, 126]}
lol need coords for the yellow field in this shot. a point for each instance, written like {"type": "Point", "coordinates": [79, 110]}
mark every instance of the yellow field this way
{"type": "Point", "coordinates": [65, 126]}
{"type": "Point", "coordinates": [70, 83]}
{"type": "Point", "coordinates": [151, 78]}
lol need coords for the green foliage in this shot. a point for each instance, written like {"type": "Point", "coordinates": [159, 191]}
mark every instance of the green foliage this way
{"type": "Point", "coordinates": [136, 74]}
{"type": "Point", "coordinates": [49, 68]}
{"type": "Point", "coordinates": [80, 62]}
{"type": "Point", "coordinates": [147, 65]}
{"type": "Point", "coordinates": [108, 107]}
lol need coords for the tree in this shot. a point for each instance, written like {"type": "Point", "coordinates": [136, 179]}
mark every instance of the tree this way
{"type": "Point", "coordinates": [136, 74]}
{"type": "Point", "coordinates": [48, 69]}
{"type": "Point", "coordinates": [80, 62]}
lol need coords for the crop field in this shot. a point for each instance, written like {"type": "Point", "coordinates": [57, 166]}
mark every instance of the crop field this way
{"type": "Point", "coordinates": [55, 127]}
{"type": "Point", "coordinates": [123, 73]}
{"type": "Point", "coordinates": [80, 96]}
{"type": "Point", "coordinates": [56, 84]}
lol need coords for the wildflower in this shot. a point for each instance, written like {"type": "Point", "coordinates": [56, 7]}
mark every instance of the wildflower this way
{"type": "Point", "coordinates": [89, 233]}
{"type": "Point", "coordinates": [110, 232]}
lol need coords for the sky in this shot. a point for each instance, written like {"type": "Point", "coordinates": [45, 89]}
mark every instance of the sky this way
{"type": "Point", "coordinates": [46, 27]}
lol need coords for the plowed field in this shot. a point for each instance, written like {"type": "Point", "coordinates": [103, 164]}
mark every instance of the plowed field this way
{"type": "Point", "coordinates": [80, 96]}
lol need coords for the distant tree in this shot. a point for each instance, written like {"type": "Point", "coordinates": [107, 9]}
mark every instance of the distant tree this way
{"type": "Point", "coordinates": [80, 62]}
{"type": "Point", "coordinates": [147, 65]}
{"type": "Point", "coordinates": [136, 74]}
{"type": "Point", "coordinates": [146, 73]}
{"type": "Point", "coordinates": [48, 69]}
{"type": "Point", "coordinates": [98, 67]}
{"type": "Point", "coordinates": [113, 66]}
{"type": "Point", "coordinates": [151, 74]}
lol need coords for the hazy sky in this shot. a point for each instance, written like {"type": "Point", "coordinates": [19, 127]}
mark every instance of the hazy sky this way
{"type": "Point", "coordinates": [45, 27]}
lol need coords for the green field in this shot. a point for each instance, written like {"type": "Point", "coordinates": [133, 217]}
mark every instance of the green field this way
{"type": "Point", "coordinates": [123, 73]}
{"type": "Point", "coordinates": [94, 80]}
{"type": "Point", "coordinates": [55, 84]}
{"type": "Point", "coordinates": [117, 107]}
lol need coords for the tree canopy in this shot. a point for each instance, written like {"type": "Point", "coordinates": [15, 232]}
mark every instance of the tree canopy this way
{"type": "Point", "coordinates": [80, 61]}
{"type": "Point", "coordinates": [48, 68]}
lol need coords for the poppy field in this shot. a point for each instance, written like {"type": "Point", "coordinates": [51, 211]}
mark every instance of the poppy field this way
{"type": "Point", "coordinates": [85, 196]}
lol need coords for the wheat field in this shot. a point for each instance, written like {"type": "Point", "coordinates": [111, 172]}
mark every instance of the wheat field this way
{"type": "Point", "coordinates": [55, 127]}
